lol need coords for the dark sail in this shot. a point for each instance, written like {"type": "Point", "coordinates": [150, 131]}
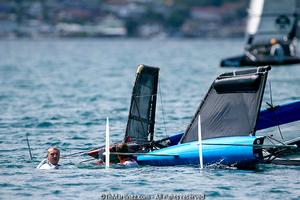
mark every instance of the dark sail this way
{"type": "Point", "coordinates": [231, 106]}
{"type": "Point", "coordinates": [293, 33]}
{"type": "Point", "coordinates": [141, 119]}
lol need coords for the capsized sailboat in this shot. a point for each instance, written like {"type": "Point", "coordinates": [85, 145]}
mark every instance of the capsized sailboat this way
{"type": "Point", "coordinates": [271, 36]}
{"type": "Point", "coordinates": [229, 115]}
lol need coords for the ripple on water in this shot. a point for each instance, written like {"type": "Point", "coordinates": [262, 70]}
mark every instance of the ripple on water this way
{"type": "Point", "coordinates": [212, 194]}
{"type": "Point", "coordinates": [278, 191]}
{"type": "Point", "coordinates": [55, 192]}
{"type": "Point", "coordinates": [44, 125]}
{"type": "Point", "coordinates": [3, 185]}
{"type": "Point", "coordinates": [24, 194]}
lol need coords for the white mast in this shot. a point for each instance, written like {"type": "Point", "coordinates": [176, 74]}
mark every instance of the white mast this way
{"type": "Point", "coordinates": [200, 143]}
{"type": "Point", "coordinates": [107, 153]}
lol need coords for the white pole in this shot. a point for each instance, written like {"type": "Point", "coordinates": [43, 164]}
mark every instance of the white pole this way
{"type": "Point", "coordinates": [107, 154]}
{"type": "Point", "coordinates": [200, 143]}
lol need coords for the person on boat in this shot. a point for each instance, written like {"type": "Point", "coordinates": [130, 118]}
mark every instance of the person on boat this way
{"type": "Point", "coordinates": [292, 49]}
{"type": "Point", "coordinates": [53, 155]}
{"type": "Point", "coordinates": [126, 160]}
{"type": "Point", "coordinates": [276, 50]}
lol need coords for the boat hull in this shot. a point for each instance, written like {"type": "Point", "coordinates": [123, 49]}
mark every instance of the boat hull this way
{"type": "Point", "coordinates": [281, 114]}
{"type": "Point", "coordinates": [244, 61]}
{"type": "Point", "coordinates": [230, 151]}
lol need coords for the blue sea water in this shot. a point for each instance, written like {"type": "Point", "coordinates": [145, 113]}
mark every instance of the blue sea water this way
{"type": "Point", "coordinates": [61, 91]}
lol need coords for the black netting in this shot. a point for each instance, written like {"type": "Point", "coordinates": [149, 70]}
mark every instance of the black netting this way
{"type": "Point", "coordinates": [140, 126]}
{"type": "Point", "coordinates": [231, 108]}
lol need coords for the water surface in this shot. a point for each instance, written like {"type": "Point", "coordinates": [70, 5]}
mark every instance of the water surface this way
{"type": "Point", "coordinates": [61, 91]}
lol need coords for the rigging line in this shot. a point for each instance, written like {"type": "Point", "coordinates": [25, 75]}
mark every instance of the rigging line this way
{"type": "Point", "coordinates": [271, 99]}
{"type": "Point", "coordinates": [144, 154]}
{"type": "Point", "coordinates": [162, 108]}
{"type": "Point", "coordinates": [85, 152]}
{"type": "Point", "coordinates": [270, 139]}
{"type": "Point", "coordinates": [78, 153]}
{"type": "Point", "coordinates": [29, 149]}
{"type": "Point", "coordinates": [272, 106]}
{"type": "Point", "coordinates": [88, 160]}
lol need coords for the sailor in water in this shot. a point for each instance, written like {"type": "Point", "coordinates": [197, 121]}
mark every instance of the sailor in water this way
{"type": "Point", "coordinates": [51, 162]}
{"type": "Point", "coordinates": [125, 160]}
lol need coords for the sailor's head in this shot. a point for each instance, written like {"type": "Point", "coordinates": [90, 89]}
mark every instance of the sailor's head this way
{"type": "Point", "coordinates": [53, 155]}
{"type": "Point", "coordinates": [122, 148]}
{"type": "Point", "coordinates": [273, 41]}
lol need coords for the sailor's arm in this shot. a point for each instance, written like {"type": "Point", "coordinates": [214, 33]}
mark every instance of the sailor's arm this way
{"type": "Point", "coordinates": [41, 164]}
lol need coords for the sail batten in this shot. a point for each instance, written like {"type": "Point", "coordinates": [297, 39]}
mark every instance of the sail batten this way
{"type": "Point", "coordinates": [144, 120]}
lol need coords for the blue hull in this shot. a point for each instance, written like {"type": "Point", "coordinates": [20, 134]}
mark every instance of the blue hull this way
{"type": "Point", "coordinates": [281, 114]}
{"type": "Point", "coordinates": [188, 153]}
{"type": "Point", "coordinates": [244, 61]}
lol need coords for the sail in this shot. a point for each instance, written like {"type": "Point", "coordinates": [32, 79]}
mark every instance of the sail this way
{"type": "Point", "coordinates": [231, 106]}
{"type": "Point", "coordinates": [272, 19]}
{"type": "Point", "coordinates": [141, 119]}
